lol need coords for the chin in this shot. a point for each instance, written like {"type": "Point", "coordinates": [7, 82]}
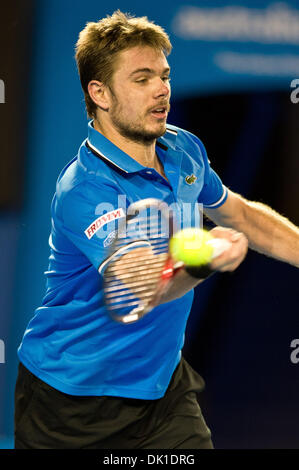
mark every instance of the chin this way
{"type": "Point", "coordinates": [151, 136]}
{"type": "Point", "coordinates": [146, 135]}
{"type": "Point", "coordinates": [159, 130]}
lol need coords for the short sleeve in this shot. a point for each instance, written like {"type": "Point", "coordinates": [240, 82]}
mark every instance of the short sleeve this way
{"type": "Point", "coordinates": [213, 193]}
{"type": "Point", "coordinates": [89, 217]}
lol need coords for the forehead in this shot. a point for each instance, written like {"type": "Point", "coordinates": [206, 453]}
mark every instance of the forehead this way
{"type": "Point", "coordinates": [140, 57]}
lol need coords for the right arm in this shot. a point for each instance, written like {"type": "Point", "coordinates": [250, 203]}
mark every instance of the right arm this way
{"type": "Point", "coordinates": [229, 260]}
{"type": "Point", "coordinates": [183, 282]}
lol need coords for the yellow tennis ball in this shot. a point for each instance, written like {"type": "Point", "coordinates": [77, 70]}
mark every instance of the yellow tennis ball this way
{"type": "Point", "coordinates": [190, 246]}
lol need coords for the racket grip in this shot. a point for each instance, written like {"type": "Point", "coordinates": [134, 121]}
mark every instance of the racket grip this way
{"type": "Point", "coordinates": [219, 246]}
{"type": "Point", "coordinates": [202, 272]}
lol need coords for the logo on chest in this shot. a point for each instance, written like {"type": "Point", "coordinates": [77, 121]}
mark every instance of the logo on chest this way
{"type": "Point", "coordinates": [190, 179]}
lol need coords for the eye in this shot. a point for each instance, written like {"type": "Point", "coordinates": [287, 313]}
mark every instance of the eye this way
{"type": "Point", "coordinates": [141, 80]}
{"type": "Point", "coordinates": [166, 78]}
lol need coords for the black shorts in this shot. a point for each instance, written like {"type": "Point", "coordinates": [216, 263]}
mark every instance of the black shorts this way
{"type": "Point", "coordinates": [48, 419]}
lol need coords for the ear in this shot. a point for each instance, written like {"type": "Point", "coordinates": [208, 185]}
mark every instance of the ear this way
{"type": "Point", "coordinates": [99, 94]}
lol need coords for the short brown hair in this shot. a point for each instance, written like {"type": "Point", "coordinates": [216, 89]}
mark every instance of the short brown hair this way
{"type": "Point", "coordinates": [100, 42]}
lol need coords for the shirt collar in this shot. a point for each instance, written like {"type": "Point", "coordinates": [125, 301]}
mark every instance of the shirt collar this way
{"type": "Point", "coordinates": [169, 138]}
{"type": "Point", "coordinates": [106, 150]}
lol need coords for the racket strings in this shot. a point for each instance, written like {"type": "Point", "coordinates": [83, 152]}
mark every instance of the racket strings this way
{"type": "Point", "coordinates": [138, 286]}
{"type": "Point", "coordinates": [146, 278]}
{"type": "Point", "coordinates": [139, 277]}
{"type": "Point", "coordinates": [126, 269]}
{"type": "Point", "coordinates": [132, 279]}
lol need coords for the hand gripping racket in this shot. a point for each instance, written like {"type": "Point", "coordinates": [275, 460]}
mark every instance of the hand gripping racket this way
{"type": "Point", "coordinates": [139, 266]}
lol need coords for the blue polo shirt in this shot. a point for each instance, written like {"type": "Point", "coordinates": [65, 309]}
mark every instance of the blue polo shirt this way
{"type": "Point", "coordinates": [71, 342]}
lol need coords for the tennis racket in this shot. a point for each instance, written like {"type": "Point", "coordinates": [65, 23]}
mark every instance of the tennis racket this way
{"type": "Point", "coordinates": [139, 267]}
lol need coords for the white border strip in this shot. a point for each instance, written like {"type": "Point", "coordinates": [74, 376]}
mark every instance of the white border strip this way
{"type": "Point", "coordinates": [106, 158]}
{"type": "Point", "coordinates": [171, 131]}
{"type": "Point", "coordinates": [219, 201]}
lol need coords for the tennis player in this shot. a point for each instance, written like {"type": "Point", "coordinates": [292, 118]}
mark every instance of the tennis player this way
{"type": "Point", "coordinates": [86, 381]}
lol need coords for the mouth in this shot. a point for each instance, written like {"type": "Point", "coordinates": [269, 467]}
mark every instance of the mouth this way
{"type": "Point", "coordinates": [160, 112]}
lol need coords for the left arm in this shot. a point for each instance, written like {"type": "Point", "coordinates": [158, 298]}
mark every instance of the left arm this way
{"type": "Point", "coordinates": [267, 231]}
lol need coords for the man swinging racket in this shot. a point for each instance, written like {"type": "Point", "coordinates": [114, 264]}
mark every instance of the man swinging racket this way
{"type": "Point", "coordinates": [88, 380]}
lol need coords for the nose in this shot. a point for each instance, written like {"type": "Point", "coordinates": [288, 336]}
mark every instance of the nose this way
{"type": "Point", "coordinates": [163, 88]}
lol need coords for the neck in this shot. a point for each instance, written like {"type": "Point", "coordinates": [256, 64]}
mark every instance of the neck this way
{"type": "Point", "coordinates": [143, 153]}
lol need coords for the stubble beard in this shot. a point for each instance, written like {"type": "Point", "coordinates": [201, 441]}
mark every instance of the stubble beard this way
{"type": "Point", "coordinates": [133, 131]}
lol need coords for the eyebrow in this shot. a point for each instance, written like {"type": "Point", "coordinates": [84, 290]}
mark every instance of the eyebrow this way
{"type": "Point", "coordinates": [148, 70]}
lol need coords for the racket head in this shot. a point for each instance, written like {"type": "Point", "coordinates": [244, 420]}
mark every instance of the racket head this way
{"type": "Point", "coordinates": [139, 266]}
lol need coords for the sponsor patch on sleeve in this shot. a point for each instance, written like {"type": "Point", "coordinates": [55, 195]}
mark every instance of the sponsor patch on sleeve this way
{"type": "Point", "coordinates": [103, 220]}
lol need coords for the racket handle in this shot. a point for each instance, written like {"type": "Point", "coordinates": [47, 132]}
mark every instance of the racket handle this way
{"type": "Point", "coordinates": [202, 272]}
{"type": "Point", "coordinates": [219, 246]}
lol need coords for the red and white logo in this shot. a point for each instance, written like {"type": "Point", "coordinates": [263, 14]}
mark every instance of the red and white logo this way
{"type": "Point", "coordinates": [103, 220]}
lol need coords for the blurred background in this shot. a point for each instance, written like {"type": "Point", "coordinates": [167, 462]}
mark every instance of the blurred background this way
{"type": "Point", "coordinates": [233, 65]}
